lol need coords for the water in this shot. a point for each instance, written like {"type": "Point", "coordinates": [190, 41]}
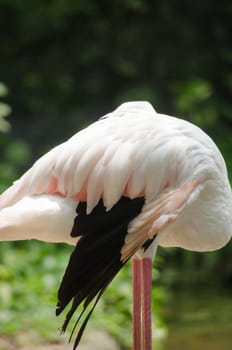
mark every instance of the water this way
{"type": "Point", "coordinates": [199, 320]}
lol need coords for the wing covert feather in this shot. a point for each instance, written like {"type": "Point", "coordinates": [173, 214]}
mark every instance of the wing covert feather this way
{"type": "Point", "coordinates": [114, 156]}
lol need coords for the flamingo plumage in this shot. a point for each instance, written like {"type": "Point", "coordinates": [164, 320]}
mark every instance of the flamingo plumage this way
{"type": "Point", "coordinates": [118, 189]}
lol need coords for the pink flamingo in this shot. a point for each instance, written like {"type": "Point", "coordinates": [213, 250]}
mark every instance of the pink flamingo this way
{"type": "Point", "coordinates": [131, 181]}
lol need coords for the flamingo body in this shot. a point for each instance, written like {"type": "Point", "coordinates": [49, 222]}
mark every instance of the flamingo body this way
{"type": "Point", "coordinates": [131, 181]}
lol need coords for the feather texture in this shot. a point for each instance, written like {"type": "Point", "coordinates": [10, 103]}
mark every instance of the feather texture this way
{"type": "Point", "coordinates": [131, 151]}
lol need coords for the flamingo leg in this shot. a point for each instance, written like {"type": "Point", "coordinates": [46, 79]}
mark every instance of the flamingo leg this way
{"type": "Point", "coordinates": [146, 282]}
{"type": "Point", "coordinates": [136, 311]}
{"type": "Point", "coordinates": [142, 277]}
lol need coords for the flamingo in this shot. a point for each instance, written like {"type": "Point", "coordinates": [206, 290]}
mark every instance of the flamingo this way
{"type": "Point", "coordinates": [128, 183]}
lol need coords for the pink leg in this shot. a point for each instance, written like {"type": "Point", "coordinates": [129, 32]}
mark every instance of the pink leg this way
{"type": "Point", "coordinates": [146, 303]}
{"type": "Point", "coordinates": [136, 311]}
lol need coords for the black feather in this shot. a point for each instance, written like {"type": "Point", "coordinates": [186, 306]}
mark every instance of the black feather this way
{"type": "Point", "coordinates": [147, 244]}
{"type": "Point", "coordinates": [96, 258]}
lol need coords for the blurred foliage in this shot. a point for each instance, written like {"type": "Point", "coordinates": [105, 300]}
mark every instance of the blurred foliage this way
{"type": "Point", "coordinates": [65, 63]}
{"type": "Point", "coordinates": [29, 275]}
{"type": "Point", "coordinates": [4, 110]}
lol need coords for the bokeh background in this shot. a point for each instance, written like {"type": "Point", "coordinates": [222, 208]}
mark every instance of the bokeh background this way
{"type": "Point", "coordinates": [65, 63]}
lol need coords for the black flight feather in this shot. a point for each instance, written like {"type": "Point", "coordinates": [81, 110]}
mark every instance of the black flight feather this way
{"type": "Point", "coordinates": [96, 258]}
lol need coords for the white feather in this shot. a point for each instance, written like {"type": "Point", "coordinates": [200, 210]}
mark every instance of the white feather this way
{"type": "Point", "coordinates": [95, 186]}
{"type": "Point", "coordinates": [87, 163]}
{"type": "Point", "coordinates": [44, 217]}
{"type": "Point", "coordinates": [116, 175]}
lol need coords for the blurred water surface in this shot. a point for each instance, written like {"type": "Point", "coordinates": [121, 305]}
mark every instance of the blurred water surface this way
{"type": "Point", "coordinates": [199, 320]}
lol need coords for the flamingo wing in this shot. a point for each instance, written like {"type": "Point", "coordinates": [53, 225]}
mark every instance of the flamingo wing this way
{"type": "Point", "coordinates": [119, 154]}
